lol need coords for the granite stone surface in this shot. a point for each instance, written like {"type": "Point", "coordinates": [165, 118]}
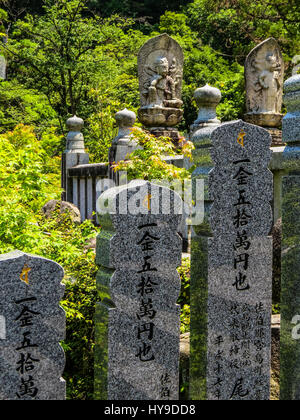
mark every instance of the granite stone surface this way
{"type": "Point", "coordinates": [138, 320]}
{"type": "Point", "coordinates": [31, 358]}
{"type": "Point", "coordinates": [290, 290]}
{"type": "Point", "coordinates": [239, 265]}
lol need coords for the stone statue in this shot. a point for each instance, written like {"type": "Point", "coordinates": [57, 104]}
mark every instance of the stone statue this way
{"type": "Point", "coordinates": [160, 68]}
{"type": "Point", "coordinates": [264, 73]}
{"type": "Point", "coordinates": [160, 89]}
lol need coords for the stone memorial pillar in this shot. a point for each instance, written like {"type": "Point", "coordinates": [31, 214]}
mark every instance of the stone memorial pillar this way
{"type": "Point", "coordinates": [290, 293]}
{"type": "Point", "coordinates": [264, 75]}
{"type": "Point", "coordinates": [31, 326]}
{"type": "Point", "coordinates": [207, 99]}
{"type": "Point", "coordinates": [137, 319]}
{"type": "Point", "coordinates": [160, 70]}
{"type": "Point", "coordinates": [237, 314]}
{"type": "Point", "coordinates": [74, 154]}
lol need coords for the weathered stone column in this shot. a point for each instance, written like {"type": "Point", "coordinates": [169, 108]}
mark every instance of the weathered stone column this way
{"type": "Point", "coordinates": [290, 294]}
{"type": "Point", "coordinates": [137, 319]}
{"type": "Point", "coordinates": [233, 318]}
{"type": "Point", "coordinates": [207, 99]}
{"type": "Point", "coordinates": [74, 154]}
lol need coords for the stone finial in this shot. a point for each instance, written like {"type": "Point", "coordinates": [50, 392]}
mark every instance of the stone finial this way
{"type": "Point", "coordinates": [75, 139]}
{"type": "Point", "coordinates": [207, 99]}
{"type": "Point", "coordinates": [264, 74]}
{"type": "Point", "coordinates": [291, 122]}
{"type": "Point", "coordinates": [125, 120]}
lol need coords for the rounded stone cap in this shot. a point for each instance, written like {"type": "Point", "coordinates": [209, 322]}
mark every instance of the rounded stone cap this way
{"type": "Point", "coordinates": [75, 123]}
{"type": "Point", "coordinates": [125, 118]}
{"type": "Point", "coordinates": [207, 95]}
{"type": "Point", "coordinates": [292, 84]}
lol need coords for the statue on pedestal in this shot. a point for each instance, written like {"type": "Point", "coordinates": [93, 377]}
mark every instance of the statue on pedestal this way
{"type": "Point", "coordinates": [160, 66]}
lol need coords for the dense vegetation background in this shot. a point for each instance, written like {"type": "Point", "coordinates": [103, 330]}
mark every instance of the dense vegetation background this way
{"type": "Point", "coordinates": [80, 56]}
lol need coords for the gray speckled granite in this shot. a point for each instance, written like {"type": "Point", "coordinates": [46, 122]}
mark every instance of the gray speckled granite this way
{"type": "Point", "coordinates": [290, 286]}
{"type": "Point", "coordinates": [240, 265]}
{"type": "Point", "coordinates": [290, 290]}
{"type": "Point", "coordinates": [138, 319]}
{"type": "Point", "coordinates": [31, 358]}
{"type": "Point", "coordinates": [291, 122]}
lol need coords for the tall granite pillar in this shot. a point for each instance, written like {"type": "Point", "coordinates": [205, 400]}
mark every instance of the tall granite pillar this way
{"type": "Point", "coordinates": [290, 294]}
{"type": "Point", "coordinates": [137, 318]}
{"type": "Point", "coordinates": [207, 99]}
{"type": "Point", "coordinates": [236, 277]}
{"type": "Point", "coordinates": [32, 324]}
{"type": "Point", "coordinates": [74, 154]}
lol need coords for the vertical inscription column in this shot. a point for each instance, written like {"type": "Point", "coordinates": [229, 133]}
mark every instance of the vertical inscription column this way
{"type": "Point", "coordinates": [31, 326]}
{"type": "Point", "coordinates": [290, 285]}
{"type": "Point", "coordinates": [142, 325]}
{"type": "Point", "coordinates": [240, 265]}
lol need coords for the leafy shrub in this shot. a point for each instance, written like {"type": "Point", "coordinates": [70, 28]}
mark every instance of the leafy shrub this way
{"type": "Point", "coordinates": [148, 163]}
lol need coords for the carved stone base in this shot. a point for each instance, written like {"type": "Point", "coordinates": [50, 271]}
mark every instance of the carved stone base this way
{"type": "Point", "coordinates": [172, 133]}
{"type": "Point", "coordinates": [157, 117]}
{"type": "Point", "coordinates": [264, 119]}
{"type": "Point", "coordinates": [276, 136]}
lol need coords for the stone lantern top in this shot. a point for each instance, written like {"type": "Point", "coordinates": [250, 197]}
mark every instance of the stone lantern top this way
{"type": "Point", "coordinates": [75, 139]}
{"type": "Point", "coordinates": [75, 123]}
{"type": "Point", "coordinates": [207, 99]}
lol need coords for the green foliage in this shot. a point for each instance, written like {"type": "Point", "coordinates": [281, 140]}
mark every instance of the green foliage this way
{"type": "Point", "coordinates": [236, 26]}
{"type": "Point", "coordinates": [185, 297]}
{"type": "Point", "coordinates": [79, 304]}
{"type": "Point", "coordinates": [148, 163]}
{"type": "Point", "coordinates": [135, 8]}
{"type": "Point", "coordinates": [19, 105]}
{"type": "Point", "coordinates": [204, 65]}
